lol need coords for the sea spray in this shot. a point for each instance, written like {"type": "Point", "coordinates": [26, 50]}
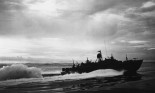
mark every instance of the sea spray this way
{"type": "Point", "coordinates": [17, 71]}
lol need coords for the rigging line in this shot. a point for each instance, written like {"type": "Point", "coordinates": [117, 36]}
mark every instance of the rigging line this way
{"type": "Point", "coordinates": [105, 47]}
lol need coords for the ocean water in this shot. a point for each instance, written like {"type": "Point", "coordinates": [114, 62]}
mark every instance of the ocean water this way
{"type": "Point", "coordinates": [38, 77]}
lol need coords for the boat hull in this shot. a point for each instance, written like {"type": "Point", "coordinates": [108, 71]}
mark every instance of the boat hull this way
{"type": "Point", "coordinates": [129, 66]}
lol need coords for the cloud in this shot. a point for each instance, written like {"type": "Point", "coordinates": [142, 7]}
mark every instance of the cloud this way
{"type": "Point", "coordinates": [148, 4]}
{"type": "Point", "coordinates": [151, 48]}
{"type": "Point", "coordinates": [11, 5]}
{"type": "Point", "coordinates": [137, 42]}
{"type": "Point", "coordinates": [82, 24]}
{"type": "Point", "coordinates": [24, 23]}
{"type": "Point", "coordinates": [147, 9]}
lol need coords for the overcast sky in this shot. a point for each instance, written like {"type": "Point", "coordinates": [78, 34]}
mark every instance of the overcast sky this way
{"type": "Point", "coordinates": [76, 29]}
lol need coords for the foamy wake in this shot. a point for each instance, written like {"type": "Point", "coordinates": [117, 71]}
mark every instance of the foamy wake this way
{"type": "Point", "coordinates": [93, 74]}
{"type": "Point", "coordinates": [97, 73]}
{"type": "Point", "coordinates": [17, 71]}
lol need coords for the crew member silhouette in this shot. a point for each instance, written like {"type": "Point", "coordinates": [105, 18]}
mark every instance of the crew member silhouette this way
{"type": "Point", "coordinates": [99, 56]}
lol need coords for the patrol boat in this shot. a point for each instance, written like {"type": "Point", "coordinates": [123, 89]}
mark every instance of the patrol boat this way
{"type": "Point", "coordinates": [129, 66]}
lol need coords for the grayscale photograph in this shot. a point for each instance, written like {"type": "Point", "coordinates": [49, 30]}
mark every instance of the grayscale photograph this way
{"type": "Point", "coordinates": [77, 46]}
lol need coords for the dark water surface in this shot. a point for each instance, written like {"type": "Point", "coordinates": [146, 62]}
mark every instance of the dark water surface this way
{"type": "Point", "coordinates": [97, 81]}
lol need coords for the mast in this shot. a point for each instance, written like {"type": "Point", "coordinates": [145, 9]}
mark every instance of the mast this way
{"type": "Point", "coordinates": [73, 64]}
{"type": "Point", "coordinates": [126, 57]}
